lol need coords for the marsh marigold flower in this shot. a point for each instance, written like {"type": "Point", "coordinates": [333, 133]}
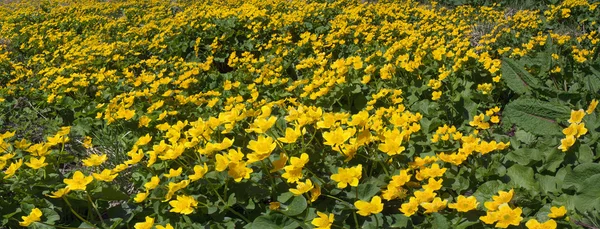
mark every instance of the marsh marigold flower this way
{"type": "Point", "coordinates": [262, 148]}
{"type": "Point", "coordinates": [592, 106]}
{"type": "Point", "coordinates": [348, 176]}
{"type": "Point", "coordinates": [34, 216]}
{"type": "Point", "coordinates": [464, 204]}
{"type": "Point", "coordinates": [59, 193]}
{"type": "Point", "coordinates": [302, 187]}
{"type": "Point", "coordinates": [12, 168]}
{"type": "Point", "coordinates": [367, 208]}
{"type": "Point", "coordinates": [534, 224]}
{"type": "Point", "coordinates": [576, 116]}
{"type": "Point", "coordinates": [324, 221]}
{"type": "Point", "coordinates": [36, 163]}
{"type": "Point", "coordinates": [557, 212]}
{"type": "Point", "coordinates": [79, 181]}
{"type": "Point", "coordinates": [199, 172]}
{"type": "Point", "coordinates": [434, 206]}
{"type": "Point", "coordinates": [183, 205]}
{"type": "Point", "coordinates": [94, 160]}
{"type": "Point", "coordinates": [106, 175]}
{"type": "Point", "coordinates": [146, 224]}
{"type": "Point", "coordinates": [410, 208]}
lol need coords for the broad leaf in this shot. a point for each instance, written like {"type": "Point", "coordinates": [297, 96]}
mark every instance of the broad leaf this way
{"type": "Point", "coordinates": [536, 116]}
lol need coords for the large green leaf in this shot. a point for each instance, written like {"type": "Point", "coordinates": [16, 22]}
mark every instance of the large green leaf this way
{"type": "Point", "coordinates": [274, 221]}
{"type": "Point", "coordinates": [488, 189]}
{"type": "Point", "coordinates": [592, 81]}
{"type": "Point", "coordinates": [580, 174]}
{"type": "Point", "coordinates": [521, 176]}
{"type": "Point", "coordinates": [535, 116]}
{"type": "Point", "coordinates": [517, 78]}
{"type": "Point", "coordinates": [589, 198]}
{"type": "Point", "coordinates": [292, 205]}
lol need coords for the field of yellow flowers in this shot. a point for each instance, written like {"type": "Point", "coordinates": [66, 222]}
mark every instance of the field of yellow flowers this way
{"type": "Point", "coordinates": [299, 114]}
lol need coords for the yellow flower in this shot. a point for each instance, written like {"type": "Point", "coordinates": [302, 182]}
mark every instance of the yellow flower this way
{"type": "Point", "coordinates": [507, 216]}
{"type": "Point", "coordinates": [347, 176]}
{"type": "Point", "coordinates": [410, 208]}
{"type": "Point", "coordinates": [433, 184]}
{"type": "Point", "coordinates": [291, 135]}
{"type": "Point", "coordinates": [302, 187]}
{"type": "Point", "coordinates": [35, 163]}
{"type": "Point", "coordinates": [168, 226]}
{"type": "Point", "coordinates": [261, 125]}
{"type": "Point", "coordinates": [183, 205]}
{"type": "Point", "coordinates": [534, 224]}
{"type": "Point", "coordinates": [34, 216]}
{"type": "Point", "coordinates": [464, 204]}
{"type": "Point", "coordinates": [337, 137]}
{"type": "Point", "coordinates": [87, 142]}
{"type": "Point", "coordinates": [274, 205]}
{"type": "Point", "coordinates": [145, 225]}
{"type": "Point", "coordinates": [557, 212]}
{"type": "Point", "coordinates": [367, 208]}
{"type": "Point", "coordinates": [199, 172]}
{"type": "Point", "coordinates": [106, 175]}
{"type": "Point", "coordinates": [239, 171]}
{"type": "Point", "coordinates": [143, 140]}
{"type": "Point", "coordinates": [576, 116]}
{"type": "Point", "coordinates": [566, 143]}
{"type": "Point", "coordinates": [79, 181]}
{"type": "Point", "coordinates": [152, 184]}
{"type": "Point", "coordinates": [315, 193]}
{"type": "Point", "coordinates": [436, 95]}
{"type": "Point", "coordinates": [501, 198]}
{"type": "Point", "coordinates": [144, 121]}
{"type": "Point", "coordinates": [592, 106]}
{"type": "Point", "coordinates": [140, 197]}
{"type": "Point", "coordinates": [436, 205]}
{"type": "Point", "coordinates": [59, 193]}
{"type": "Point", "coordinates": [262, 148]}
{"type": "Point", "coordinates": [94, 160]}
{"type": "Point", "coordinates": [489, 218]}
{"type": "Point", "coordinates": [279, 163]}
{"type": "Point", "coordinates": [57, 139]}
{"type": "Point", "coordinates": [174, 172]}
{"type": "Point", "coordinates": [323, 221]}
{"type": "Point", "coordinates": [12, 168]}
{"type": "Point", "coordinates": [425, 195]}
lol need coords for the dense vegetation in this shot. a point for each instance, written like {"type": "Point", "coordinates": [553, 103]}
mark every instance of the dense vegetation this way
{"type": "Point", "coordinates": [299, 114]}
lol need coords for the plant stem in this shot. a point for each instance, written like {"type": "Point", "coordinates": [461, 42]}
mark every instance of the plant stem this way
{"type": "Point", "coordinates": [75, 213]}
{"type": "Point", "coordinates": [376, 221]}
{"type": "Point", "coordinates": [95, 208]}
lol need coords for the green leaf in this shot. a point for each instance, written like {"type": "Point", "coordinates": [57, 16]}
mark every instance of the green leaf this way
{"type": "Point", "coordinates": [293, 205]}
{"type": "Point", "coordinates": [578, 176]}
{"type": "Point", "coordinates": [397, 221]}
{"type": "Point", "coordinates": [366, 191]}
{"type": "Point", "coordinates": [108, 193]}
{"type": "Point", "coordinates": [517, 78]}
{"type": "Point", "coordinates": [548, 184]}
{"type": "Point", "coordinates": [525, 136]}
{"type": "Point", "coordinates": [590, 195]}
{"type": "Point", "coordinates": [274, 221]}
{"type": "Point", "coordinates": [592, 81]}
{"type": "Point", "coordinates": [50, 215]}
{"type": "Point", "coordinates": [554, 158]}
{"type": "Point", "coordinates": [521, 176]}
{"type": "Point", "coordinates": [488, 189]}
{"type": "Point", "coordinates": [536, 116]}
{"type": "Point", "coordinates": [439, 221]}
{"type": "Point", "coordinates": [525, 156]}
{"type": "Point", "coordinates": [585, 154]}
